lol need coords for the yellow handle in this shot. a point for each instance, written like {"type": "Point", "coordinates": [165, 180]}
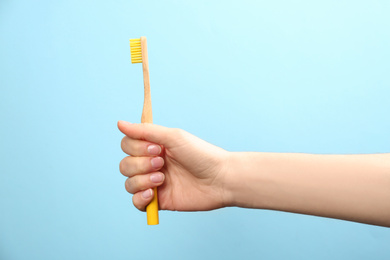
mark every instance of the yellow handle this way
{"type": "Point", "coordinates": [147, 117]}
{"type": "Point", "coordinates": [152, 209]}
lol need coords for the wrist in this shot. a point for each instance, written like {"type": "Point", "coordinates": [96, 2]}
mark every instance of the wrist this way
{"type": "Point", "coordinates": [247, 184]}
{"type": "Point", "coordinates": [228, 182]}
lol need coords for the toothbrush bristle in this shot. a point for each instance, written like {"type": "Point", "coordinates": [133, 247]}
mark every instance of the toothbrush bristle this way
{"type": "Point", "coordinates": [135, 50]}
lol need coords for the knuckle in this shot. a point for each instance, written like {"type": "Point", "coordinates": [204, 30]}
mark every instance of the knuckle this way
{"type": "Point", "coordinates": [121, 166]}
{"type": "Point", "coordinates": [123, 143]}
{"type": "Point", "coordinates": [140, 165]}
{"type": "Point", "coordinates": [124, 166]}
{"type": "Point", "coordinates": [136, 203]}
{"type": "Point", "coordinates": [131, 166]}
{"type": "Point", "coordinates": [127, 185]}
{"type": "Point", "coordinates": [133, 184]}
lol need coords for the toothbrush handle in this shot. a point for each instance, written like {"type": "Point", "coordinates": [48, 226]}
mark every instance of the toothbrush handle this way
{"type": "Point", "coordinates": [147, 117]}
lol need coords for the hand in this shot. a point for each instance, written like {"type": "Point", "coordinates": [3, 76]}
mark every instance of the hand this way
{"type": "Point", "coordinates": [188, 171]}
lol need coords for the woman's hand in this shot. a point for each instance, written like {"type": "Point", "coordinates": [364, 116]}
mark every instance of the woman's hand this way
{"type": "Point", "coordinates": [192, 174]}
{"type": "Point", "coordinates": [189, 172]}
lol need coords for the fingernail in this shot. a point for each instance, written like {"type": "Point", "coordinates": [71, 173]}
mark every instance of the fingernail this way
{"type": "Point", "coordinates": [154, 149]}
{"type": "Point", "coordinates": [157, 177]}
{"type": "Point", "coordinates": [147, 194]}
{"type": "Point", "coordinates": [157, 162]}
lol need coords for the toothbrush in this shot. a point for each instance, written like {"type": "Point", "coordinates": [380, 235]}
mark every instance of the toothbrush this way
{"type": "Point", "coordinates": [139, 54]}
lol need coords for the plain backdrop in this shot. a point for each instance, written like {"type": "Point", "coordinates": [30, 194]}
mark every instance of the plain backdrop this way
{"type": "Point", "coordinates": [271, 76]}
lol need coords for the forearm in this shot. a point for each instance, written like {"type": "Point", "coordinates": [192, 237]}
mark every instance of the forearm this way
{"type": "Point", "coordinates": [350, 187]}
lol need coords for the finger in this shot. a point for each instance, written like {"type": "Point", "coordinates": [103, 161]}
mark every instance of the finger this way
{"type": "Point", "coordinates": [135, 147]}
{"type": "Point", "coordinates": [142, 199]}
{"type": "Point", "coordinates": [131, 166]}
{"type": "Point", "coordinates": [143, 182]}
{"type": "Point", "coordinates": [149, 132]}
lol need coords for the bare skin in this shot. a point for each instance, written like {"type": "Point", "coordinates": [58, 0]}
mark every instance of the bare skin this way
{"type": "Point", "coordinates": [193, 175]}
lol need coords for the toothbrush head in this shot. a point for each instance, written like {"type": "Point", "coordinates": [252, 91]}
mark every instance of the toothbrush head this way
{"type": "Point", "coordinates": [135, 50]}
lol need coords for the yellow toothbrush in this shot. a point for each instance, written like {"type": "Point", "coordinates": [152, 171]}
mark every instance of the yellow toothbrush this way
{"type": "Point", "coordinates": [139, 54]}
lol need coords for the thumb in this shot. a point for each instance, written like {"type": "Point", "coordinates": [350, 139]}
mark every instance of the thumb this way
{"type": "Point", "coordinates": [149, 132]}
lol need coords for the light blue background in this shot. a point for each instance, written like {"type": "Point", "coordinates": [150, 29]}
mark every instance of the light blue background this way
{"type": "Point", "coordinates": [280, 76]}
